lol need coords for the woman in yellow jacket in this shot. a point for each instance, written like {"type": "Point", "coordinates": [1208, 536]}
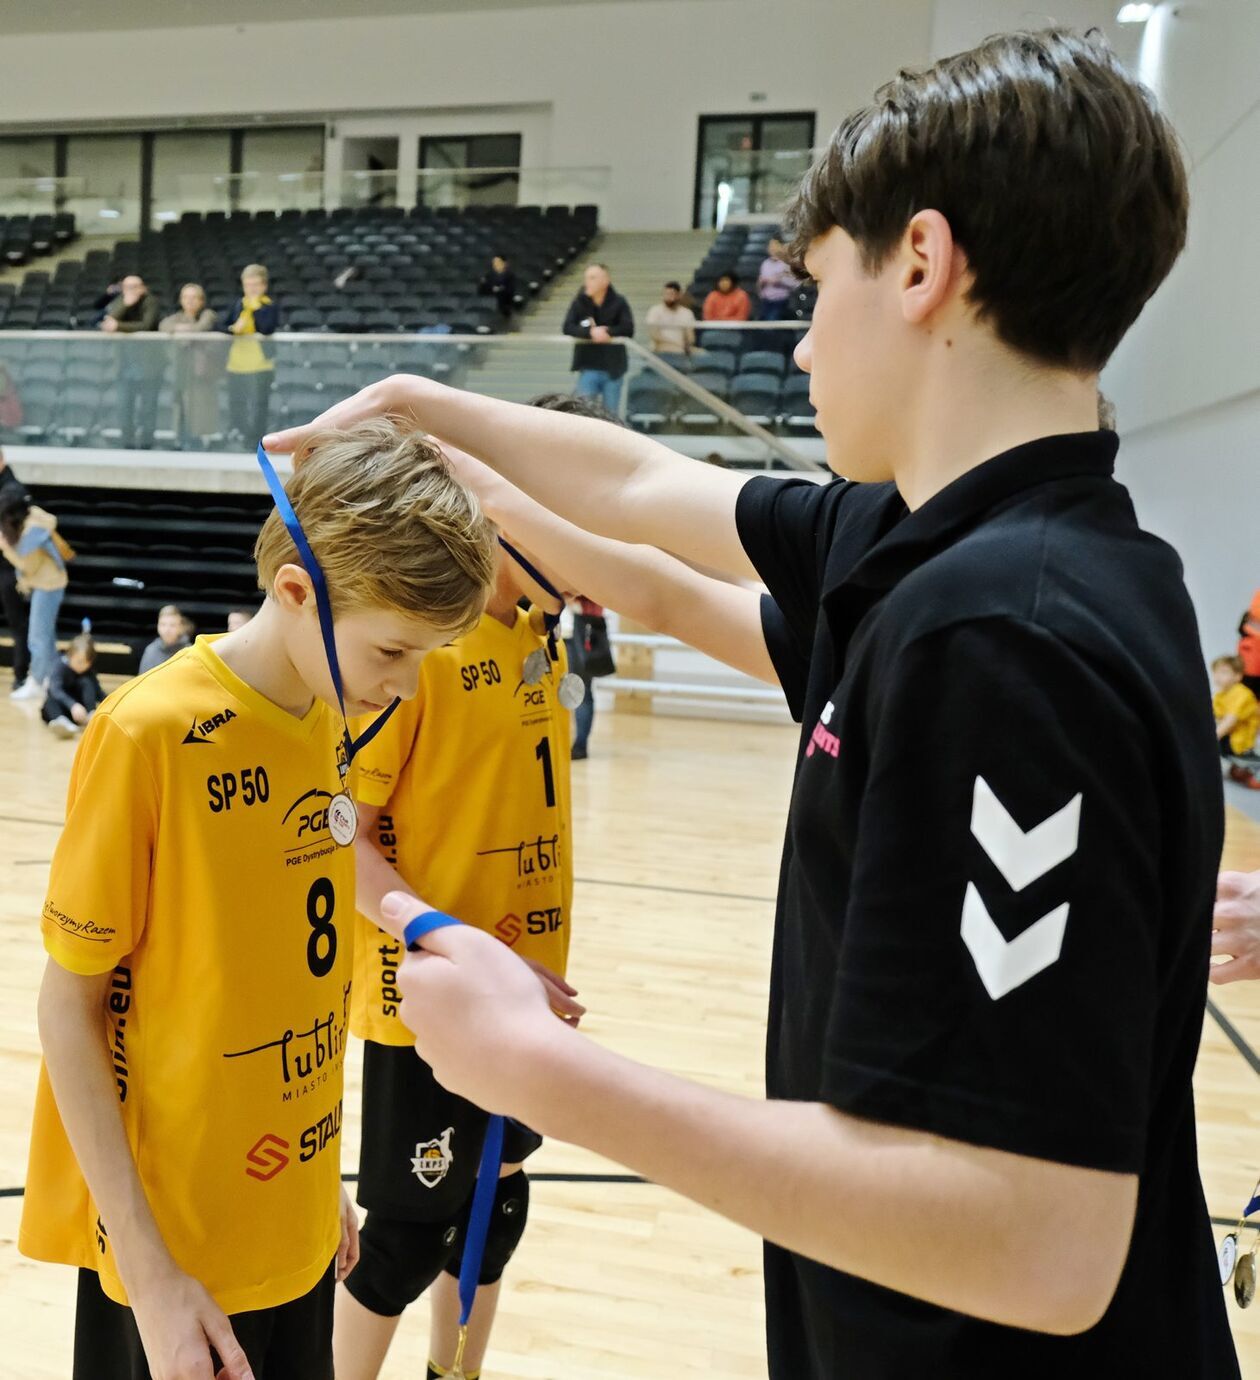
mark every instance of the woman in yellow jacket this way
{"type": "Point", "coordinates": [251, 366]}
{"type": "Point", "coordinates": [28, 542]}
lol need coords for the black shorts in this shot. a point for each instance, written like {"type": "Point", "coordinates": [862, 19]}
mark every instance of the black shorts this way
{"type": "Point", "coordinates": [421, 1145]}
{"type": "Point", "coordinates": [292, 1341]}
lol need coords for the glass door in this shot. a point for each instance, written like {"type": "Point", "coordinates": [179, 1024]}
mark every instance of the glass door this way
{"type": "Point", "coordinates": [470, 170]}
{"type": "Point", "coordinates": [748, 164]}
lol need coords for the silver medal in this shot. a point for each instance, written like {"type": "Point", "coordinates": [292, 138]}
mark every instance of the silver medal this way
{"type": "Point", "coordinates": [343, 820]}
{"type": "Point", "coordinates": [534, 669]}
{"type": "Point", "coordinates": [1227, 1257]}
{"type": "Point", "coordinates": [572, 690]}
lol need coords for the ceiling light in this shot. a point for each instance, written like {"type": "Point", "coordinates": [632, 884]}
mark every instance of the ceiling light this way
{"type": "Point", "coordinates": [1134, 14]}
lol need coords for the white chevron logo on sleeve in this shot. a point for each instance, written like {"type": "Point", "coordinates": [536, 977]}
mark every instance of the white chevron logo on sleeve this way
{"type": "Point", "coordinates": [1004, 966]}
{"type": "Point", "coordinates": [1023, 857]}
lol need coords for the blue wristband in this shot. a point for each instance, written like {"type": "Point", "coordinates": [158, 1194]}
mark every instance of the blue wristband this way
{"type": "Point", "coordinates": [424, 924]}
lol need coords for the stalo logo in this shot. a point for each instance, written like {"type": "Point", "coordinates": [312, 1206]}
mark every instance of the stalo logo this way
{"type": "Point", "coordinates": [510, 929]}
{"type": "Point", "coordinates": [200, 733]}
{"type": "Point", "coordinates": [266, 1158]}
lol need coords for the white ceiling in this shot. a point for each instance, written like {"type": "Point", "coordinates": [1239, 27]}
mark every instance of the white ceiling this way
{"type": "Point", "coordinates": [24, 17]}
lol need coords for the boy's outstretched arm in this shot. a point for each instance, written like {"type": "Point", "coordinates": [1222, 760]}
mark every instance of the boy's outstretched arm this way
{"type": "Point", "coordinates": [935, 1218]}
{"type": "Point", "coordinates": [177, 1318]}
{"type": "Point", "coordinates": [657, 590]}
{"type": "Point", "coordinates": [598, 475]}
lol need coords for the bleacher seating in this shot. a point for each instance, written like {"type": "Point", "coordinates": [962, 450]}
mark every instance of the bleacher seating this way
{"type": "Point", "coordinates": [69, 396]}
{"type": "Point", "coordinates": [736, 366]}
{"type": "Point", "coordinates": [23, 237]}
{"type": "Point", "coordinates": [139, 549]}
{"type": "Point", "coordinates": [740, 249]}
{"type": "Point", "coordinates": [413, 269]}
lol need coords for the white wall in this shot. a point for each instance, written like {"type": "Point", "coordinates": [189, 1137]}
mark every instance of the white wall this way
{"type": "Point", "coordinates": [1187, 380]}
{"type": "Point", "coordinates": [625, 81]}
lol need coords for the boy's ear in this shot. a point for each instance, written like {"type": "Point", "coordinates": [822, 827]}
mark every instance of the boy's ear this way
{"type": "Point", "coordinates": [932, 268]}
{"type": "Point", "coordinates": [292, 589]}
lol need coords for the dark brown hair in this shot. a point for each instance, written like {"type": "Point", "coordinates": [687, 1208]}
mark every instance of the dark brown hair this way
{"type": "Point", "coordinates": [1061, 180]}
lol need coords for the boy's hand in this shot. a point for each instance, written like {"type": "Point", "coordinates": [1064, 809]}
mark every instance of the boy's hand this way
{"type": "Point", "coordinates": [481, 1018]}
{"type": "Point", "coordinates": [348, 1250]}
{"type": "Point", "coordinates": [395, 397]}
{"type": "Point", "coordinates": [560, 993]}
{"type": "Point", "coordinates": [179, 1322]}
{"type": "Point", "coordinates": [79, 714]}
{"type": "Point", "coordinates": [1236, 927]}
{"type": "Point", "coordinates": [398, 908]}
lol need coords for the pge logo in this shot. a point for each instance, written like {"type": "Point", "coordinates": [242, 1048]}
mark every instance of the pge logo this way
{"type": "Point", "coordinates": [509, 929]}
{"type": "Point", "coordinates": [266, 1158]}
{"type": "Point", "coordinates": [309, 813]}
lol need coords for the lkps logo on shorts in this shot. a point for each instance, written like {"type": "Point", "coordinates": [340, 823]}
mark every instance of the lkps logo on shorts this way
{"type": "Point", "coordinates": [433, 1159]}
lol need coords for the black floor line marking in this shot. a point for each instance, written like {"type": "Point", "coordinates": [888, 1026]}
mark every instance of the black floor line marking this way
{"type": "Point", "coordinates": [1234, 1035]}
{"type": "Point", "coordinates": [677, 890]}
{"type": "Point", "coordinates": [17, 819]}
{"type": "Point", "coordinates": [534, 1178]}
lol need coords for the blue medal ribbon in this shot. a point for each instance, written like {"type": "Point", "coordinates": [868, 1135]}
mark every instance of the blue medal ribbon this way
{"type": "Point", "coordinates": [491, 1156]}
{"type": "Point", "coordinates": [322, 603]}
{"type": "Point", "coordinates": [551, 621]}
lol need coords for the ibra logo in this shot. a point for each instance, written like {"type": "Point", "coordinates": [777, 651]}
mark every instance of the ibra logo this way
{"type": "Point", "coordinates": [266, 1158]}
{"type": "Point", "coordinates": [200, 733]}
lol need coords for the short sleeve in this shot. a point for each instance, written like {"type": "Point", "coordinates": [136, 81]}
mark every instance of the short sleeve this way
{"type": "Point", "coordinates": [379, 764]}
{"type": "Point", "coordinates": [789, 652]}
{"type": "Point", "coordinates": [98, 887]}
{"type": "Point", "coordinates": [997, 975]}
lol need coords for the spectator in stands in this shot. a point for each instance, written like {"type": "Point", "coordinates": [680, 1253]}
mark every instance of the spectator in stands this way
{"type": "Point", "coordinates": [171, 638]}
{"type": "Point", "coordinates": [670, 324]}
{"type": "Point", "coordinates": [251, 365]}
{"type": "Point", "coordinates": [11, 491]}
{"type": "Point", "coordinates": [728, 301]}
{"type": "Point", "coordinates": [196, 368]}
{"type": "Point", "coordinates": [500, 283]}
{"type": "Point", "coordinates": [141, 364]}
{"type": "Point", "coordinates": [28, 542]}
{"type": "Point", "coordinates": [597, 316]}
{"type": "Point", "coordinates": [237, 618]}
{"type": "Point", "coordinates": [74, 691]}
{"type": "Point", "coordinates": [775, 284]}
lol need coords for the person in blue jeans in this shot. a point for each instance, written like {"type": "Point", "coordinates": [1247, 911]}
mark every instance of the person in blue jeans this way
{"type": "Point", "coordinates": [28, 543]}
{"type": "Point", "coordinates": [597, 317]}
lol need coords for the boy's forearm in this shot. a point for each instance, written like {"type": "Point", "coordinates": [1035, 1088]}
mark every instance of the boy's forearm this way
{"type": "Point", "coordinates": [604, 478]}
{"type": "Point", "coordinates": [73, 1033]}
{"type": "Point", "coordinates": [845, 1191]}
{"type": "Point", "coordinates": [1226, 725]}
{"type": "Point", "coordinates": [374, 879]}
{"type": "Point", "coordinates": [657, 590]}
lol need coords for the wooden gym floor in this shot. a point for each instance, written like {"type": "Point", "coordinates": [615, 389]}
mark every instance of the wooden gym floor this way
{"type": "Point", "coordinates": [678, 830]}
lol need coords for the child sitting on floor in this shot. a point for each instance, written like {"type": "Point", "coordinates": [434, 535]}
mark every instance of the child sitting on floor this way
{"type": "Point", "coordinates": [1237, 714]}
{"type": "Point", "coordinates": [73, 689]}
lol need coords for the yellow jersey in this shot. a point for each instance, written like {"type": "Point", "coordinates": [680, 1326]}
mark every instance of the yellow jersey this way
{"type": "Point", "coordinates": [197, 867]}
{"type": "Point", "coordinates": [472, 777]}
{"type": "Point", "coordinates": [1242, 704]}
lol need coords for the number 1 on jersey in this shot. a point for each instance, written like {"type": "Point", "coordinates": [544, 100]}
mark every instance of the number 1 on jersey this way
{"type": "Point", "coordinates": [543, 753]}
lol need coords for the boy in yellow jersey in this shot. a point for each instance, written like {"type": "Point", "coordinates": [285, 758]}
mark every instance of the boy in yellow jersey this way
{"type": "Point", "coordinates": [194, 1011]}
{"type": "Point", "coordinates": [1237, 717]}
{"type": "Point", "coordinates": [465, 793]}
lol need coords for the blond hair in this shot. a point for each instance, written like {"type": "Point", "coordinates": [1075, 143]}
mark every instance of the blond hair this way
{"type": "Point", "coordinates": [170, 610]}
{"type": "Point", "coordinates": [390, 526]}
{"type": "Point", "coordinates": [1235, 663]}
{"type": "Point", "coordinates": [256, 271]}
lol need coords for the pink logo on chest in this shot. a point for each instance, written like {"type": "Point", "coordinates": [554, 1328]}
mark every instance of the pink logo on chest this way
{"type": "Point", "coordinates": [822, 737]}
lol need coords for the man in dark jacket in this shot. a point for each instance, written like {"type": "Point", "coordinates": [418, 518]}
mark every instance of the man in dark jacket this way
{"type": "Point", "coordinates": [14, 604]}
{"type": "Point", "coordinates": [142, 361]}
{"type": "Point", "coordinates": [598, 315]}
{"type": "Point", "coordinates": [500, 283]}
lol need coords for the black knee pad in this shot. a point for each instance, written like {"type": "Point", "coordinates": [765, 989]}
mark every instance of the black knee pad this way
{"type": "Point", "coordinates": [507, 1226]}
{"type": "Point", "coordinates": [398, 1261]}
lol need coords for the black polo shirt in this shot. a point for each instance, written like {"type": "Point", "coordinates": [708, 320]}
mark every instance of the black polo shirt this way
{"type": "Point", "coordinates": [996, 893]}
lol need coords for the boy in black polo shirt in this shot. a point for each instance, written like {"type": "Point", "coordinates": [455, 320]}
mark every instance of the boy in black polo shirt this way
{"type": "Point", "coordinates": [979, 1157]}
